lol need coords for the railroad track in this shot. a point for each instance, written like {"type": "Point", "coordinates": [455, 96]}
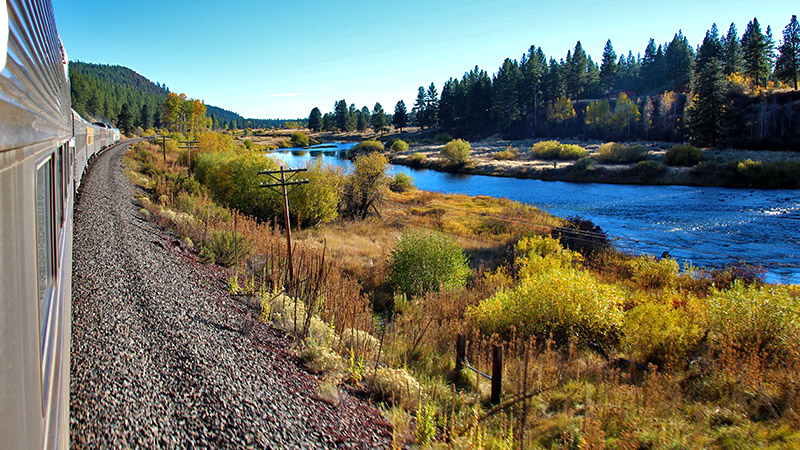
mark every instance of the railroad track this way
{"type": "Point", "coordinates": [163, 357]}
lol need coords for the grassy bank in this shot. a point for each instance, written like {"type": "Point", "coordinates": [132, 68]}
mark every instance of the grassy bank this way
{"type": "Point", "coordinates": [601, 349]}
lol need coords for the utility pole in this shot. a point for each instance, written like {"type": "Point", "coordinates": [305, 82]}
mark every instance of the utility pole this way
{"type": "Point", "coordinates": [188, 145]}
{"type": "Point", "coordinates": [282, 182]}
{"type": "Point", "coordinates": [163, 139]}
{"type": "Point", "coordinates": [163, 145]}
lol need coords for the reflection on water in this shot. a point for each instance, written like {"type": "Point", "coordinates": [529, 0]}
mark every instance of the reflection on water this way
{"type": "Point", "coordinates": [705, 225]}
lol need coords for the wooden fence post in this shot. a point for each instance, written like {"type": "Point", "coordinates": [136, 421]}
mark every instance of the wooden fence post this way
{"type": "Point", "coordinates": [461, 351]}
{"type": "Point", "coordinates": [497, 373]}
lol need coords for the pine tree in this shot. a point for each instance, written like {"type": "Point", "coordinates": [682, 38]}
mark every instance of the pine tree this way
{"type": "Point", "coordinates": [315, 120]}
{"type": "Point", "coordinates": [705, 115]}
{"type": "Point", "coordinates": [679, 62]}
{"type": "Point", "coordinates": [340, 115]}
{"type": "Point", "coordinates": [361, 121]}
{"type": "Point", "coordinates": [755, 53]}
{"type": "Point", "coordinates": [125, 121]}
{"type": "Point", "coordinates": [592, 79]}
{"type": "Point", "coordinates": [628, 73]}
{"type": "Point", "coordinates": [145, 118]}
{"type": "Point", "coordinates": [533, 66]}
{"type": "Point", "coordinates": [652, 72]}
{"type": "Point", "coordinates": [419, 108]}
{"type": "Point", "coordinates": [352, 117]}
{"type": "Point", "coordinates": [378, 119]}
{"type": "Point", "coordinates": [432, 106]}
{"type": "Point", "coordinates": [477, 100]}
{"type": "Point", "coordinates": [576, 72]}
{"type": "Point", "coordinates": [787, 66]}
{"type": "Point", "coordinates": [554, 86]}
{"type": "Point", "coordinates": [710, 48]}
{"type": "Point", "coordinates": [608, 68]}
{"type": "Point", "coordinates": [328, 122]}
{"type": "Point", "coordinates": [447, 104]}
{"type": "Point", "coordinates": [400, 118]}
{"type": "Point", "coordinates": [731, 51]}
{"type": "Point", "coordinates": [505, 107]}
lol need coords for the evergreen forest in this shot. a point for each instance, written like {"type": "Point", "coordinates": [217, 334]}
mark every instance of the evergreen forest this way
{"type": "Point", "coordinates": [733, 89]}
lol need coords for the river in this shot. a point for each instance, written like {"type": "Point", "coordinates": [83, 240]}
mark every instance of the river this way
{"type": "Point", "coordinates": [706, 226]}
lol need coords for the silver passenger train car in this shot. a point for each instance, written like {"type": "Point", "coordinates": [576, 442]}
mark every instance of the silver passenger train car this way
{"type": "Point", "coordinates": [44, 149]}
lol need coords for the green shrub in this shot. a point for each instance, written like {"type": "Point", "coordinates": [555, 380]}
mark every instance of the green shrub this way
{"type": "Point", "coordinates": [424, 262]}
{"type": "Point", "coordinates": [584, 163]}
{"type": "Point", "coordinates": [367, 147]}
{"type": "Point", "coordinates": [442, 138]}
{"type": "Point", "coordinates": [683, 155]}
{"type": "Point", "coordinates": [659, 333]}
{"type": "Point", "coordinates": [202, 208]}
{"type": "Point", "coordinates": [457, 151]}
{"type": "Point", "coordinates": [557, 150]}
{"type": "Point", "coordinates": [776, 174]}
{"type": "Point", "coordinates": [399, 145]}
{"type": "Point", "coordinates": [647, 171]}
{"type": "Point", "coordinates": [233, 179]}
{"type": "Point", "coordinates": [552, 298]}
{"type": "Point", "coordinates": [572, 152]}
{"type": "Point", "coordinates": [402, 183]}
{"type": "Point", "coordinates": [546, 149]}
{"type": "Point", "coordinates": [649, 273]}
{"type": "Point", "coordinates": [365, 188]}
{"type": "Point", "coordinates": [613, 152]}
{"type": "Point", "coordinates": [418, 158]}
{"type": "Point", "coordinates": [299, 139]}
{"type": "Point", "coordinates": [317, 201]}
{"type": "Point", "coordinates": [227, 247]}
{"type": "Point", "coordinates": [509, 154]}
{"type": "Point", "coordinates": [764, 319]}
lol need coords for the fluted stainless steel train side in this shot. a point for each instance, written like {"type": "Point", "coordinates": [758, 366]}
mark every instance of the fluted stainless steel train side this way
{"type": "Point", "coordinates": [45, 147]}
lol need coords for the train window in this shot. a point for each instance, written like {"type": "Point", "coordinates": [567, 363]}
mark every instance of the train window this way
{"type": "Point", "coordinates": [59, 186]}
{"type": "Point", "coordinates": [45, 238]}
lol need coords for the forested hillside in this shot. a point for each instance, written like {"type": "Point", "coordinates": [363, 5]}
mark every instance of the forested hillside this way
{"type": "Point", "coordinates": [101, 92]}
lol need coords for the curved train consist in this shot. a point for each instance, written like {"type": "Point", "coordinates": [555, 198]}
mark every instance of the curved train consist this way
{"type": "Point", "coordinates": [44, 149]}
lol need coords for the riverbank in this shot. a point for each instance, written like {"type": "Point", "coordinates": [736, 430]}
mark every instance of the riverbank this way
{"type": "Point", "coordinates": [717, 167]}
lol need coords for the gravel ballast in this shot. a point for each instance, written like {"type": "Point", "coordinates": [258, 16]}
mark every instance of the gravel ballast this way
{"type": "Point", "coordinates": [163, 357]}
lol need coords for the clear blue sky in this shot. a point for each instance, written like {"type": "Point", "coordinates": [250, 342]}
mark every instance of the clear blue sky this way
{"type": "Point", "coordinates": [268, 59]}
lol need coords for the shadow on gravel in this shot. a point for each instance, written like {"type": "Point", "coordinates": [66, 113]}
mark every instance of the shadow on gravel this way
{"type": "Point", "coordinates": [243, 332]}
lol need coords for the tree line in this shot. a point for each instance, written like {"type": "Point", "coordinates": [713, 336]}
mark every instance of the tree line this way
{"type": "Point", "coordinates": [731, 90]}
{"type": "Point", "coordinates": [346, 118]}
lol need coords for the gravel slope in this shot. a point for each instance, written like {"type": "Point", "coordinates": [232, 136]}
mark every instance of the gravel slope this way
{"type": "Point", "coordinates": [163, 357]}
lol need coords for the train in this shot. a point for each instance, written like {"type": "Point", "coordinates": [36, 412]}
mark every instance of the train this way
{"type": "Point", "coordinates": [45, 148]}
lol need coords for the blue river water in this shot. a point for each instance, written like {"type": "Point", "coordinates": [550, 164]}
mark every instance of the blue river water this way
{"type": "Point", "coordinates": [704, 226]}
